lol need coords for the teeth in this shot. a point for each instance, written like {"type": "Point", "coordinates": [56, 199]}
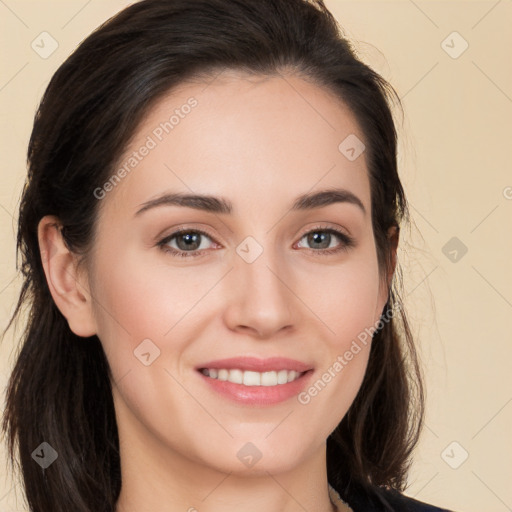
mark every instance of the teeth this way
{"type": "Point", "coordinates": [250, 378]}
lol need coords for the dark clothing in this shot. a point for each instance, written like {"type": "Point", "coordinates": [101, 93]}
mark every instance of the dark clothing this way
{"type": "Point", "coordinates": [391, 501]}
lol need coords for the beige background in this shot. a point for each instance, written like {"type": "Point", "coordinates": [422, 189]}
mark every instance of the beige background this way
{"type": "Point", "coordinates": [455, 161]}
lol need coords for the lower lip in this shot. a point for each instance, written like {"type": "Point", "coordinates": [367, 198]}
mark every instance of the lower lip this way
{"type": "Point", "coordinates": [258, 395]}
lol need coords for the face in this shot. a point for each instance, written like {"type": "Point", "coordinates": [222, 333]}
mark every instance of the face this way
{"type": "Point", "coordinates": [256, 273]}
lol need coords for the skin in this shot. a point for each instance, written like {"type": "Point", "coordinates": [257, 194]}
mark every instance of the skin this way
{"type": "Point", "coordinates": [260, 143]}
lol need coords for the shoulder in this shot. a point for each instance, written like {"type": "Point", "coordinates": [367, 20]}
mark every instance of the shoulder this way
{"type": "Point", "coordinates": [388, 500]}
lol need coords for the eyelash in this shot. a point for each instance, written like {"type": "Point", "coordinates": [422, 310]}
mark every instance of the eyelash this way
{"type": "Point", "coordinates": [346, 242]}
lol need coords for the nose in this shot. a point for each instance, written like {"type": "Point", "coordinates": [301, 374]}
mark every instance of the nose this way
{"type": "Point", "coordinates": [260, 299]}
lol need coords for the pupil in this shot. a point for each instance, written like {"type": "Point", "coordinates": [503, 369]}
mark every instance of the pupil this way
{"type": "Point", "coordinates": [316, 236]}
{"type": "Point", "coordinates": [190, 239]}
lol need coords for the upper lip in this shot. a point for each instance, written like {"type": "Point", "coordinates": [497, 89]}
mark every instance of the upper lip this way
{"type": "Point", "coordinates": [257, 365]}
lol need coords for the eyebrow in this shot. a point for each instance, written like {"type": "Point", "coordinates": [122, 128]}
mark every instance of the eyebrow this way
{"type": "Point", "coordinates": [308, 201]}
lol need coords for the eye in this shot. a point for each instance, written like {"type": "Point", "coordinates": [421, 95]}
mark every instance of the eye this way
{"type": "Point", "coordinates": [321, 239]}
{"type": "Point", "coordinates": [188, 242]}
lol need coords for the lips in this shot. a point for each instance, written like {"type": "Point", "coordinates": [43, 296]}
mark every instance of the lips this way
{"type": "Point", "coordinates": [246, 363]}
{"type": "Point", "coordinates": [258, 395]}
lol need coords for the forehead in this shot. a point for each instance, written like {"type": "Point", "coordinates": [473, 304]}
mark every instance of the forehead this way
{"type": "Point", "coordinates": [253, 139]}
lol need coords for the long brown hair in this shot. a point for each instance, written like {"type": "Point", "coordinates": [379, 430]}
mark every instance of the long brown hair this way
{"type": "Point", "coordinates": [87, 116]}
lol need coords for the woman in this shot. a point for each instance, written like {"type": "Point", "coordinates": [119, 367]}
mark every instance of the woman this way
{"type": "Point", "coordinates": [209, 232]}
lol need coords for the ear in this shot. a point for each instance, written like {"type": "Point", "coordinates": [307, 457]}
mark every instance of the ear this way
{"type": "Point", "coordinates": [68, 286]}
{"type": "Point", "coordinates": [393, 235]}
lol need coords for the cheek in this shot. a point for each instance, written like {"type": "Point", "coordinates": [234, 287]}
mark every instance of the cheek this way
{"type": "Point", "coordinates": [348, 303]}
{"type": "Point", "coordinates": [142, 285]}
{"type": "Point", "coordinates": [344, 299]}
{"type": "Point", "coordinates": [135, 301]}
{"type": "Point", "coordinates": [349, 309]}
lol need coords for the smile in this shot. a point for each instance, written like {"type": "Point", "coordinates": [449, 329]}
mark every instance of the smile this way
{"type": "Point", "coordinates": [253, 388]}
{"type": "Point", "coordinates": [251, 378]}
